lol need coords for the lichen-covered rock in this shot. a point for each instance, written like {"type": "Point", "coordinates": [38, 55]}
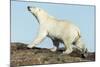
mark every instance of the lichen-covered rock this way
{"type": "Point", "coordinates": [22, 56]}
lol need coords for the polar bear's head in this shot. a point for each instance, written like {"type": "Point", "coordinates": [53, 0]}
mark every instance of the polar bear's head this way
{"type": "Point", "coordinates": [33, 9]}
{"type": "Point", "coordinates": [36, 10]}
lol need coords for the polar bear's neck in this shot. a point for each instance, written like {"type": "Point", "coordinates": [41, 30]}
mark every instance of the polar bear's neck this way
{"type": "Point", "coordinates": [42, 18]}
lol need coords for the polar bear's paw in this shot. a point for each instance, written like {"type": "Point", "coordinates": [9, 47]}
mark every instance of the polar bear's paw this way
{"type": "Point", "coordinates": [30, 46]}
{"type": "Point", "coordinates": [68, 51]}
{"type": "Point", "coordinates": [53, 49]}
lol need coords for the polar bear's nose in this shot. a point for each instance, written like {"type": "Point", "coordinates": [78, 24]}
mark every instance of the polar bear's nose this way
{"type": "Point", "coordinates": [28, 8]}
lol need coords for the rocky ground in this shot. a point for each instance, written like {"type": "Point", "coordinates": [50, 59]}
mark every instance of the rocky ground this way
{"type": "Point", "coordinates": [22, 56]}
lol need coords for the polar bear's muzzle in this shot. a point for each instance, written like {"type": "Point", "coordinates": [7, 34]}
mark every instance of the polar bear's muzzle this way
{"type": "Point", "coordinates": [28, 8]}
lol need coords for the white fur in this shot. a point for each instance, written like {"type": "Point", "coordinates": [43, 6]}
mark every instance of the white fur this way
{"type": "Point", "coordinates": [58, 30]}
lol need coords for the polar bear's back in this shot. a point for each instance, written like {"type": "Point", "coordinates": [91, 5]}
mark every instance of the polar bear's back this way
{"type": "Point", "coordinates": [70, 29]}
{"type": "Point", "coordinates": [62, 29]}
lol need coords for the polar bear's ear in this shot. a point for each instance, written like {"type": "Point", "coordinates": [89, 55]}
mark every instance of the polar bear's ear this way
{"type": "Point", "coordinates": [39, 9]}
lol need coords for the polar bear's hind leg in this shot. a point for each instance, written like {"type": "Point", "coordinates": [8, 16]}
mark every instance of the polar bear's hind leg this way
{"type": "Point", "coordinates": [81, 47]}
{"type": "Point", "coordinates": [68, 46]}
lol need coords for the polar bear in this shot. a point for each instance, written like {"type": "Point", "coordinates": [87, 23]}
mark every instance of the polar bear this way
{"type": "Point", "coordinates": [60, 31]}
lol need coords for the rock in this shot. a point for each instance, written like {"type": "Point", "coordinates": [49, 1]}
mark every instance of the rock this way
{"type": "Point", "coordinates": [22, 56]}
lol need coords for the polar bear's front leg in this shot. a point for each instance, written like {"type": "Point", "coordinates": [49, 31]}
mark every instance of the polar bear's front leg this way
{"type": "Point", "coordinates": [38, 39]}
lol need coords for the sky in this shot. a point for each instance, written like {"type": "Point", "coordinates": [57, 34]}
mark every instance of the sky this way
{"type": "Point", "coordinates": [24, 26]}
